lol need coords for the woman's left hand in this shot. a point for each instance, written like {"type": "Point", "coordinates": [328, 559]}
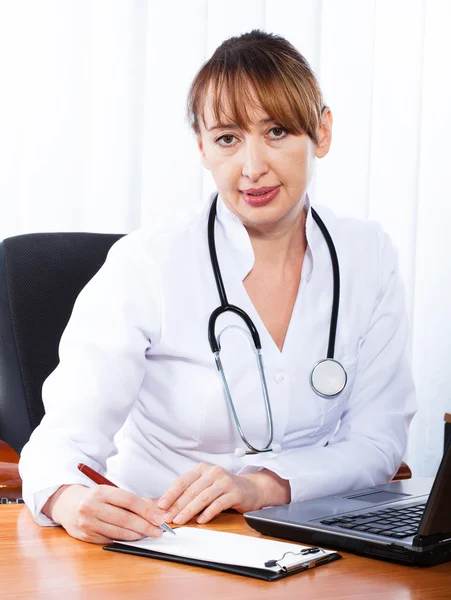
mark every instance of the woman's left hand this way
{"type": "Point", "coordinates": [210, 489]}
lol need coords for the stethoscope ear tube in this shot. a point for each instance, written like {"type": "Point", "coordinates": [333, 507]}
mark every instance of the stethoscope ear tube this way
{"type": "Point", "coordinates": [240, 452]}
{"type": "Point", "coordinates": [252, 449]}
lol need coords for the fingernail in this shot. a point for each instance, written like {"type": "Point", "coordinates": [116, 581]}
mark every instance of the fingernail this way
{"type": "Point", "coordinates": [179, 518]}
{"type": "Point", "coordinates": [158, 532]}
{"type": "Point", "coordinates": [163, 503]}
{"type": "Point", "coordinates": [201, 519]}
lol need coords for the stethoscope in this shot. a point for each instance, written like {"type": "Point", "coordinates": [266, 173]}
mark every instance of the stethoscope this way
{"type": "Point", "coordinates": [327, 378]}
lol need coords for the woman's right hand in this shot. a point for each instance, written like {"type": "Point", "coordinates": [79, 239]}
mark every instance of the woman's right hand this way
{"type": "Point", "coordinates": [103, 513]}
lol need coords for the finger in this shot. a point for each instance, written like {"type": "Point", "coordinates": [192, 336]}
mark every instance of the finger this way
{"type": "Point", "coordinates": [199, 503]}
{"type": "Point", "coordinates": [116, 532]}
{"type": "Point", "coordinates": [143, 507]}
{"type": "Point", "coordinates": [206, 476]}
{"type": "Point", "coordinates": [169, 498]}
{"type": "Point", "coordinates": [213, 482]}
{"type": "Point", "coordinates": [125, 519]}
{"type": "Point", "coordinates": [221, 503]}
{"type": "Point", "coordinates": [110, 531]}
{"type": "Point", "coordinates": [199, 491]}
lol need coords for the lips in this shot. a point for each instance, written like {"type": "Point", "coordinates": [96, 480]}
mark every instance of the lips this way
{"type": "Point", "coordinates": [259, 191]}
{"type": "Point", "coordinates": [261, 196]}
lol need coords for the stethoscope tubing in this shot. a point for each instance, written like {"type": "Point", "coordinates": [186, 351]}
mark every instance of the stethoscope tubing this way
{"type": "Point", "coordinates": [336, 278]}
{"type": "Point", "coordinates": [226, 307]}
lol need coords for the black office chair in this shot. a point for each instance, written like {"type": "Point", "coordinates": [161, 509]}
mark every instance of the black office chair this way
{"type": "Point", "coordinates": [41, 275]}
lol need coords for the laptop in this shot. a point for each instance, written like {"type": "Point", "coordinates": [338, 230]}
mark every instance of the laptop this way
{"type": "Point", "coordinates": [407, 522]}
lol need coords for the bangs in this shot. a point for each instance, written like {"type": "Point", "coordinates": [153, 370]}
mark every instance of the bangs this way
{"type": "Point", "coordinates": [280, 86]}
{"type": "Point", "coordinates": [234, 98]}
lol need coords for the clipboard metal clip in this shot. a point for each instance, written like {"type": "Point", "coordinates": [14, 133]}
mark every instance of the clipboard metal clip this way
{"type": "Point", "coordinates": [292, 563]}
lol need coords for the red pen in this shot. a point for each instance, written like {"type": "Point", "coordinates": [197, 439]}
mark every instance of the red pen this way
{"type": "Point", "coordinates": [101, 480]}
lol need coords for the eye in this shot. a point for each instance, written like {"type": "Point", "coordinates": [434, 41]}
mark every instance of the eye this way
{"type": "Point", "coordinates": [225, 141]}
{"type": "Point", "coordinates": [226, 138]}
{"type": "Point", "coordinates": [280, 130]}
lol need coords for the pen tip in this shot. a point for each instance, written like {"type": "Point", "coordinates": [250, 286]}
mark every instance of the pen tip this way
{"type": "Point", "coordinates": [167, 528]}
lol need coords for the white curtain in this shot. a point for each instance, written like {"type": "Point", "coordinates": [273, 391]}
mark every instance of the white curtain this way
{"type": "Point", "coordinates": [93, 134]}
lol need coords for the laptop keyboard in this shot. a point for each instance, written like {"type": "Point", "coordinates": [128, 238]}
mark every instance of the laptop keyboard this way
{"type": "Point", "coordinates": [392, 522]}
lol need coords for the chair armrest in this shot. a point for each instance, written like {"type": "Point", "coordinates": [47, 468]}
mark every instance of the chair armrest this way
{"type": "Point", "coordinates": [10, 480]}
{"type": "Point", "coordinates": [7, 454]}
{"type": "Point", "coordinates": [447, 436]}
{"type": "Point", "coordinates": [403, 472]}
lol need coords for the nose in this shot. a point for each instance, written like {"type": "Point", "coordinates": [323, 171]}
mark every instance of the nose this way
{"type": "Point", "coordinates": [254, 159]}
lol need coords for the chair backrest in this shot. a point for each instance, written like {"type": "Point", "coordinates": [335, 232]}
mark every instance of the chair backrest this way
{"type": "Point", "coordinates": [41, 275]}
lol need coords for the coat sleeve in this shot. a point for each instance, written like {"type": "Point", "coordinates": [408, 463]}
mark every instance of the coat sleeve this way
{"type": "Point", "coordinates": [102, 354]}
{"type": "Point", "coordinates": [370, 442]}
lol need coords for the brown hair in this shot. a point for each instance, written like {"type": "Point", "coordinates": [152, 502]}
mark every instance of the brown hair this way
{"type": "Point", "coordinates": [269, 65]}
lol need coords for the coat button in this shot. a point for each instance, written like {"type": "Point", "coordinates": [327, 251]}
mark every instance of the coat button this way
{"type": "Point", "coordinates": [280, 377]}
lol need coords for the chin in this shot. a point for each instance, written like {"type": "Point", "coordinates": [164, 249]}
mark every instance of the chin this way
{"type": "Point", "coordinates": [264, 215]}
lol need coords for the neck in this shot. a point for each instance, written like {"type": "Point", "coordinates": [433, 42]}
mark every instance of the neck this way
{"type": "Point", "coordinates": [283, 245]}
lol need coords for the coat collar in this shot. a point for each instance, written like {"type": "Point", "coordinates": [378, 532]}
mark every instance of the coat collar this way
{"type": "Point", "coordinates": [237, 244]}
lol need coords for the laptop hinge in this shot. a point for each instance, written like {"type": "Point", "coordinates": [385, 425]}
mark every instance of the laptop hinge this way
{"type": "Point", "coordinates": [421, 541]}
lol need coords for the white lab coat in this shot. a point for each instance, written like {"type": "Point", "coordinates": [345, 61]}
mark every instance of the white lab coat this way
{"type": "Point", "coordinates": [138, 397]}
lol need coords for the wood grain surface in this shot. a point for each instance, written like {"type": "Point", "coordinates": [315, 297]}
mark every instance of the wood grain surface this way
{"type": "Point", "coordinates": [44, 562]}
{"type": "Point", "coordinates": [10, 481]}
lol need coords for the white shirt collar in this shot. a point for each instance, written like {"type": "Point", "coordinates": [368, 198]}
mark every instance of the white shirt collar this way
{"type": "Point", "coordinates": [238, 242]}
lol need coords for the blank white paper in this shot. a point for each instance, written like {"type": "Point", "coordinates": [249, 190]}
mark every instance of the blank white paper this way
{"type": "Point", "coordinates": [225, 548]}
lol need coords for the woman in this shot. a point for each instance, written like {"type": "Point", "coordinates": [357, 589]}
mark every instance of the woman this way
{"type": "Point", "coordinates": [137, 394]}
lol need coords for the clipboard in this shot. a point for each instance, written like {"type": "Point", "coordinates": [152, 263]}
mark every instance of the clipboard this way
{"type": "Point", "coordinates": [260, 558]}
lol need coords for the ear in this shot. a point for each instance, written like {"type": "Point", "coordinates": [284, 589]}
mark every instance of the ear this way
{"type": "Point", "coordinates": [202, 152]}
{"type": "Point", "coordinates": [325, 133]}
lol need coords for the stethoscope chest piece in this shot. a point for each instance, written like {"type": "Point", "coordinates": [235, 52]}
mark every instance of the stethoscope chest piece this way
{"type": "Point", "coordinates": [328, 378]}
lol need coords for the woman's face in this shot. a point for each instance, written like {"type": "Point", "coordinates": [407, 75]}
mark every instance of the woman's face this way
{"type": "Point", "coordinates": [267, 156]}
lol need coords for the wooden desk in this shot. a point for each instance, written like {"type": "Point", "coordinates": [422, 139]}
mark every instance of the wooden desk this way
{"type": "Point", "coordinates": [38, 562]}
